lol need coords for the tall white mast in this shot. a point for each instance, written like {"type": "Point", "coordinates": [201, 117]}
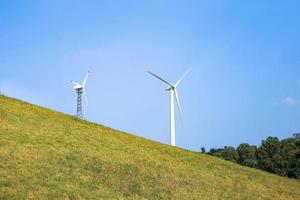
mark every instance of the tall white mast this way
{"type": "Point", "coordinates": [173, 92]}
{"type": "Point", "coordinates": [172, 119]}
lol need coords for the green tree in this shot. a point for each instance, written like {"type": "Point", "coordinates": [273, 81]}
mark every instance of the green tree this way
{"type": "Point", "coordinates": [247, 155]}
{"type": "Point", "coordinates": [297, 136]}
{"type": "Point", "coordinates": [230, 153]}
{"type": "Point", "coordinates": [296, 170]}
{"type": "Point", "coordinates": [216, 152]}
{"type": "Point", "coordinates": [289, 153]}
{"type": "Point", "coordinates": [295, 165]}
{"type": "Point", "coordinates": [279, 157]}
{"type": "Point", "coordinates": [269, 156]}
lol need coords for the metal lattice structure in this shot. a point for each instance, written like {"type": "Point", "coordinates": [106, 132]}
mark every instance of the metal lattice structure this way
{"type": "Point", "coordinates": [79, 103]}
{"type": "Point", "coordinates": [80, 88]}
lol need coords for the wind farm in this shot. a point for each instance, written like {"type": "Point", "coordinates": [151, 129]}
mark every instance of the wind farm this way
{"type": "Point", "coordinates": [150, 100]}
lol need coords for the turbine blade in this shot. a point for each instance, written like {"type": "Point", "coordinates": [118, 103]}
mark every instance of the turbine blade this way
{"type": "Point", "coordinates": [179, 81]}
{"type": "Point", "coordinates": [161, 79]}
{"type": "Point", "coordinates": [86, 77]}
{"type": "Point", "coordinates": [86, 100]}
{"type": "Point", "coordinates": [178, 103]}
{"type": "Point", "coordinates": [75, 84]}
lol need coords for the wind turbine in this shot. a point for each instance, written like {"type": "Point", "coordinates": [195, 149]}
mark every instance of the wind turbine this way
{"type": "Point", "coordinates": [80, 88]}
{"type": "Point", "coordinates": [173, 92]}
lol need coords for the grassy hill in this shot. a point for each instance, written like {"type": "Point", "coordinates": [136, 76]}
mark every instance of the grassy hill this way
{"type": "Point", "coordinates": [49, 155]}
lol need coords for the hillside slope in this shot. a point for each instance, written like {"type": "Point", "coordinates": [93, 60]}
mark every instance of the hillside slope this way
{"type": "Point", "coordinates": [48, 155]}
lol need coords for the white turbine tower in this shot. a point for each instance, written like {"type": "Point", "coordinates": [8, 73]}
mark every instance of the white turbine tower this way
{"type": "Point", "coordinates": [173, 91]}
{"type": "Point", "coordinates": [80, 88]}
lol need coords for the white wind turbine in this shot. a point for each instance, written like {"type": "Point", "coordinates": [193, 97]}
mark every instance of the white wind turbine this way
{"type": "Point", "coordinates": [80, 88]}
{"type": "Point", "coordinates": [173, 91]}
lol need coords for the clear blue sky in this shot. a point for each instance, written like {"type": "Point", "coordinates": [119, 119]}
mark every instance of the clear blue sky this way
{"type": "Point", "coordinates": [245, 59]}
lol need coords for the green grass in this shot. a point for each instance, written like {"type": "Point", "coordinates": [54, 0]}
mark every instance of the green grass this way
{"type": "Point", "coordinates": [49, 155]}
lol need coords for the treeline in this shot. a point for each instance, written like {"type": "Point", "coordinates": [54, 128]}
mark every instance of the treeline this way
{"type": "Point", "coordinates": [280, 157]}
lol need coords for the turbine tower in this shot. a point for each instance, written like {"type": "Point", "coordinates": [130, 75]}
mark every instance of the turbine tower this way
{"type": "Point", "coordinates": [173, 92]}
{"type": "Point", "coordinates": [80, 88]}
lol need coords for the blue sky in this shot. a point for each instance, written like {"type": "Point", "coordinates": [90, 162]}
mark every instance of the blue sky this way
{"type": "Point", "coordinates": [245, 60]}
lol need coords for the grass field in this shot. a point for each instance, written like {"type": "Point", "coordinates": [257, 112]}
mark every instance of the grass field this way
{"type": "Point", "coordinates": [49, 155]}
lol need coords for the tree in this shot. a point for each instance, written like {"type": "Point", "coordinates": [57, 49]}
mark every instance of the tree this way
{"type": "Point", "coordinates": [202, 149]}
{"type": "Point", "coordinates": [289, 155]}
{"type": "Point", "coordinates": [297, 140]}
{"type": "Point", "coordinates": [296, 170]}
{"type": "Point", "coordinates": [269, 156]}
{"type": "Point", "coordinates": [216, 152]}
{"type": "Point", "coordinates": [246, 155]}
{"type": "Point", "coordinates": [275, 156]}
{"type": "Point", "coordinates": [229, 153]}
{"type": "Point", "coordinates": [294, 157]}
{"type": "Point", "coordinates": [296, 136]}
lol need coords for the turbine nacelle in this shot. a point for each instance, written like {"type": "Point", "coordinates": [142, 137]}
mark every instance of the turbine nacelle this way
{"type": "Point", "coordinates": [170, 88]}
{"type": "Point", "coordinates": [173, 87]}
{"type": "Point", "coordinates": [77, 86]}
